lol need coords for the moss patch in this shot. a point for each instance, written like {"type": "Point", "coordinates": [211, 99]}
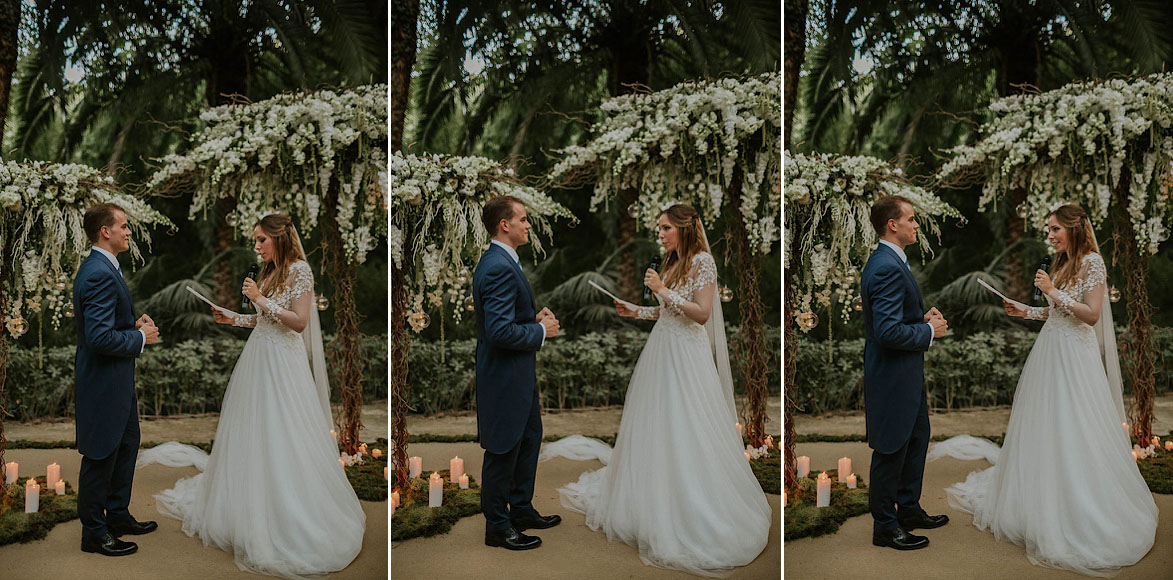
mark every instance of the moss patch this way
{"type": "Point", "coordinates": [367, 477]}
{"type": "Point", "coordinates": [768, 470]}
{"type": "Point", "coordinates": [414, 519]}
{"type": "Point", "coordinates": [19, 527]}
{"type": "Point", "coordinates": [1158, 471]}
{"type": "Point", "coordinates": [804, 520]}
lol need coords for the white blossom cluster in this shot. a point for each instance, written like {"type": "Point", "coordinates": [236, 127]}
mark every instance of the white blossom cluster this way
{"type": "Point", "coordinates": [291, 154]}
{"type": "Point", "coordinates": [436, 232]}
{"type": "Point", "coordinates": [757, 452]}
{"type": "Point", "coordinates": [1075, 145]}
{"type": "Point", "coordinates": [828, 205]}
{"type": "Point", "coordinates": [41, 209]}
{"type": "Point", "coordinates": [683, 143]}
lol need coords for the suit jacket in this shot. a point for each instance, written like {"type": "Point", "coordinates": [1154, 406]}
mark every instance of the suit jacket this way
{"type": "Point", "coordinates": [508, 340]}
{"type": "Point", "coordinates": [107, 344]}
{"type": "Point", "coordinates": [896, 338]}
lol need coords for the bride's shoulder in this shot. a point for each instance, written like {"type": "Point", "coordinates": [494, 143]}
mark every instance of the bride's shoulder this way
{"type": "Point", "coordinates": [1093, 259]}
{"type": "Point", "coordinates": [301, 268]}
{"type": "Point", "coordinates": [702, 258]}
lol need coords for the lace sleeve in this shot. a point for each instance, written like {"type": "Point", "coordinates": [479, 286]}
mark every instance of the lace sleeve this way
{"type": "Point", "coordinates": [647, 312]}
{"type": "Point", "coordinates": [1093, 272]}
{"type": "Point", "coordinates": [245, 320]}
{"type": "Point", "coordinates": [704, 270]}
{"type": "Point", "coordinates": [303, 279]}
{"type": "Point", "coordinates": [1036, 313]}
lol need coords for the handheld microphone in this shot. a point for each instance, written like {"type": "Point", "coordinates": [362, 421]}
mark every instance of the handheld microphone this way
{"type": "Point", "coordinates": [1045, 266]}
{"type": "Point", "coordinates": [253, 270]}
{"type": "Point", "coordinates": [655, 265]}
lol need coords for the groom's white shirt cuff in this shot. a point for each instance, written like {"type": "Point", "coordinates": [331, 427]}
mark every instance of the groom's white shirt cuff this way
{"type": "Point", "coordinates": [114, 260]}
{"type": "Point", "coordinates": [513, 254]}
{"type": "Point", "coordinates": [904, 258]}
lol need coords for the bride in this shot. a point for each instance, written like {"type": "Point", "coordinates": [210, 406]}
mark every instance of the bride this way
{"type": "Point", "coordinates": [1064, 484]}
{"type": "Point", "coordinates": [272, 492]}
{"type": "Point", "coordinates": [677, 485]}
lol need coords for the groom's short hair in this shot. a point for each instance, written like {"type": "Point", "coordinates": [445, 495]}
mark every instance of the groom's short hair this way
{"type": "Point", "coordinates": [97, 217]}
{"type": "Point", "coordinates": [887, 208]}
{"type": "Point", "coordinates": [497, 209]}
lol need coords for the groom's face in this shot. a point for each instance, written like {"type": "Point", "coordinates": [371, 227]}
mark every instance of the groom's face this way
{"type": "Point", "coordinates": [906, 225]}
{"type": "Point", "coordinates": [517, 227]}
{"type": "Point", "coordinates": [118, 234]}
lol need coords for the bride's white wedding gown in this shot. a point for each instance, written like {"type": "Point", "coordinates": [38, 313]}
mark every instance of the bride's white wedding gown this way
{"type": "Point", "coordinates": [677, 485]}
{"type": "Point", "coordinates": [1064, 485]}
{"type": "Point", "coordinates": [272, 492]}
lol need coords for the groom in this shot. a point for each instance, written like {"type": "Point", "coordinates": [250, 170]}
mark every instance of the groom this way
{"type": "Point", "coordinates": [108, 340]}
{"type": "Point", "coordinates": [898, 332]}
{"type": "Point", "coordinates": [509, 422]}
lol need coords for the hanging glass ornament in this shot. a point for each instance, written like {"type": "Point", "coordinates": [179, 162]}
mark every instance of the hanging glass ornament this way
{"type": "Point", "coordinates": [1113, 294]}
{"type": "Point", "coordinates": [807, 321]}
{"type": "Point", "coordinates": [69, 310]}
{"type": "Point", "coordinates": [1021, 210]}
{"type": "Point", "coordinates": [322, 302]}
{"type": "Point", "coordinates": [419, 320]}
{"type": "Point", "coordinates": [726, 294]}
{"type": "Point", "coordinates": [857, 304]}
{"type": "Point", "coordinates": [17, 327]}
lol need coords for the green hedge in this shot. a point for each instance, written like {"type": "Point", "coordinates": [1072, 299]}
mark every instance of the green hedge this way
{"type": "Point", "coordinates": [590, 370]}
{"type": "Point", "coordinates": [188, 377]}
{"type": "Point", "coordinates": [980, 370]}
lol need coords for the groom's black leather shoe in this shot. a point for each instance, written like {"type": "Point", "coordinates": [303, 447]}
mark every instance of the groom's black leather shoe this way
{"type": "Point", "coordinates": [512, 540]}
{"type": "Point", "coordinates": [923, 522]}
{"type": "Point", "coordinates": [108, 545]}
{"type": "Point", "coordinates": [133, 528]}
{"type": "Point", "coordinates": [899, 539]}
{"type": "Point", "coordinates": [535, 521]}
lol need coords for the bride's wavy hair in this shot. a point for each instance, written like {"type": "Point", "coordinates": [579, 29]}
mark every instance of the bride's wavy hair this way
{"type": "Point", "coordinates": [280, 229]}
{"type": "Point", "coordinates": [688, 242]}
{"type": "Point", "coordinates": [1081, 241]}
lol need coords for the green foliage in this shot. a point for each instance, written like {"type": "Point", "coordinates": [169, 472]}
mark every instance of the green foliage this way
{"type": "Point", "coordinates": [591, 370]}
{"type": "Point", "coordinates": [804, 520]}
{"type": "Point", "coordinates": [367, 477]}
{"type": "Point", "coordinates": [52, 509]}
{"type": "Point", "coordinates": [1158, 470]}
{"type": "Point", "coordinates": [768, 470]}
{"type": "Point", "coordinates": [189, 377]}
{"type": "Point", "coordinates": [413, 518]}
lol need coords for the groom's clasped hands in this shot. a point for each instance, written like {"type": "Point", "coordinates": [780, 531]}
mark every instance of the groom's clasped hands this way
{"type": "Point", "coordinates": [546, 318]}
{"type": "Point", "coordinates": [937, 320]}
{"type": "Point", "coordinates": [145, 324]}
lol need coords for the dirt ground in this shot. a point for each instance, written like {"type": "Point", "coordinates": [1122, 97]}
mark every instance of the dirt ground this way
{"type": "Point", "coordinates": [166, 553]}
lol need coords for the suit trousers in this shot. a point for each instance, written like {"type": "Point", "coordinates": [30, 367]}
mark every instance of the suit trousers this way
{"type": "Point", "coordinates": [897, 478]}
{"type": "Point", "coordinates": [103, 486]}
{"type": "Point", "coordinates": [507, 479]}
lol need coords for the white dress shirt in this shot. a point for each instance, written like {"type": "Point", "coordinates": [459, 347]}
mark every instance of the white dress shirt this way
{"type": "Point", "coordinates": [114, 260]}
{"type": "Point", "coordinates": [904, 258]}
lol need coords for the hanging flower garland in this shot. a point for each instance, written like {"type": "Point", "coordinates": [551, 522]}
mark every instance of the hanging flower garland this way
{"type": "Point", "coordinates": [681, 144]}
{"type": "Point", "coordinates": [1071, 145]}
{"type": "Point", "coordinates": [438, 199]}
{"type": "Point", "coordinates": [828, 205]}
{"type": "Point", "coordinates": [41, 209]}
{"type": "Point", "coordinates": [281, 154]}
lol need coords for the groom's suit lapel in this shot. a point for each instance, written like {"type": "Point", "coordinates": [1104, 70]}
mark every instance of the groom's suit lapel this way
{"type": "Point", "coordinates": [519, 273]}
{"type": "Point", "coordinates": [96, 255]}
{"type": "Point", "coordinates": [907, 272]}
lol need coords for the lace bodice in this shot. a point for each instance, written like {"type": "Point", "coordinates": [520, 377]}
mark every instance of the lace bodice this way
{"type": "Point", "coordinates": [1092, 276]}
{"type": "Point", "coordinates": [701, 274]}
{"type": "Point", "coordinates": [299, 286]}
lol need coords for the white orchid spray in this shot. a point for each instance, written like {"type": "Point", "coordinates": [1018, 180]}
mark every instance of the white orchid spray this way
{"type": "Point", "coordinates": [1073, 144]}
{"type": "Point", "coordinates": [285, 154]}
{"type": "Point", "coordinates": [438, 200]}
{"type": "Point", "coordinates": [828, 205]}
{"type": "Point", "coordinates": [681, 145]}
{"type": "Point", "coordinates": [41, 209]}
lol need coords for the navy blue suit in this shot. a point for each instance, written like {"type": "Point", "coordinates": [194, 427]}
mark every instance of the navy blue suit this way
{"type": "Point", "coordinates": [894, 387]}
{"type": "Point", "coordinates": [509, 423]}
{"type": "Point", "coordinates": [104, 402]}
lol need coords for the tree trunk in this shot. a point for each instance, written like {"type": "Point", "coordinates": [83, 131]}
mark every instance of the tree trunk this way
{"type": "Point", "coordinates": [404, 17]}
{"type": "Point", "coordinates": [1139, 349]}
{"type": "Point", "coordinates": [794, 49]}
{"type": "Point", "coordinates": [346, 355]}
{"type": "Point", "coordinates": [400, 348]}
{"type": "Point", "coordinates": [631, 63]}
{"type": "Point", "coordinates": [749, 267]}
{"type": "Point", "coordinates": [9, 24]}
{"type": "Point", "coordinates": [5, 265]}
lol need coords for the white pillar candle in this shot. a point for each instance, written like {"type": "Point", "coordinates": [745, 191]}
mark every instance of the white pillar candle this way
{"type": "Point", "coordinates": [851, 481]}
{"type": "Point", "coordinates": [435, 490]}
{"type": "Point", "coordinates": [804, 466]}
{"type": "Point", "coordinates": [342, 462]}
{"type": "Point", "coordinates": [844, 468]}
{"type": "Point", "coordinates": [823, 495]}
{"type": "Point", "coordinates": [783, 498]}
{"type": "Point", "coordinates": [60, 487]}
{"type": "Point", "coordinates": [334, 436]}
{"type": "Point", "coordinates": [11, 471]}
{"type": "Point", "coordinates": [376, 453]}
{"type": "Point", "coordinates": [1134, 457]}
{"type": "Point", "coordinates": [738, 425]}
{"type": "Point", "coordinates": [455, 469]}
{"type": "Point", "coordinates": [386, 474]}
{"type": "Point", "coordinates": [52, 475]}
{"type": "Point", "coordinates": [415, 466]}
{"type": "Point", "coordinates": [769, 442]}
{"type": "Point", "coordinates": [362, 448]}
{"type": "Point", "coordinates": [395, 499]}
{"type": "Point", "coordinates": [1169, 446]}
{"type": "Point", "coordinates": [746, 455]}
{"type": "Point", "coordinates": [464, 481]}
{"type": "Point", "coordinates": [1156, 441]}
{"type": "Point", "coordinates": [32, 496]}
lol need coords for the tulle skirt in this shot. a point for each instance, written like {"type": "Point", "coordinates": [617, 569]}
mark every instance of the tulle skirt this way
{"type": "Point", "coordinates": [272, 492]}
{"type": "Point", "coordinates": [677, 485]}
{"type": "Point", "coordinates": [1064, 485]}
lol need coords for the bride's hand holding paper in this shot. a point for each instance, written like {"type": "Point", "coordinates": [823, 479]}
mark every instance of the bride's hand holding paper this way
{"type": "Point", "coordinates": [623, 308]}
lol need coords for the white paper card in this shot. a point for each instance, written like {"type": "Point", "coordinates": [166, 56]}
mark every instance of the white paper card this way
{"type": "Point", "coordinates": [201, 297]}
{"type": "Point", "coordinates": [613, 297]}
{"type": "Point", "coordinates": [1016, 303]}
